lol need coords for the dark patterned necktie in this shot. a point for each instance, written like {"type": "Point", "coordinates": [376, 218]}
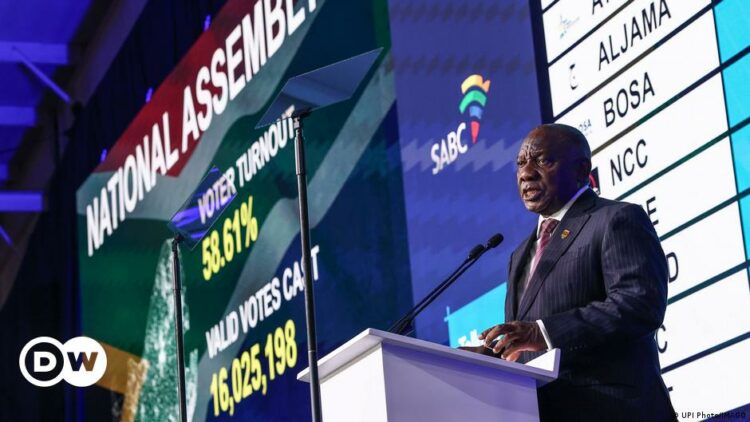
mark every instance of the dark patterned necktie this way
{"type": "Point", "coordinates": [545, 235]}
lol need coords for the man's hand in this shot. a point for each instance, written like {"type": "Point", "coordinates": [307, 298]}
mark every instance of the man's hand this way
{"type": "Point", "coordinates": [519, 336]}
{"type": "Point", "coordinates": [479, 349]}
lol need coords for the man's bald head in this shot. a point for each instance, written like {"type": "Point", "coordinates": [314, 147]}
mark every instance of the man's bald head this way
{"type": "Point", "coordinates": [563, 133]}
{"type": "Point", "coordinates": [553, 163]}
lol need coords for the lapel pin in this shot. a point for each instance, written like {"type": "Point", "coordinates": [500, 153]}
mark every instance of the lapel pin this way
{"type": "Point", "coordinates": [565, 233]}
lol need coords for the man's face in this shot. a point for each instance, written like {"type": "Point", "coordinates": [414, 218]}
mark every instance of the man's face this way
{"type": "Point", "coordinates": [548, 171]}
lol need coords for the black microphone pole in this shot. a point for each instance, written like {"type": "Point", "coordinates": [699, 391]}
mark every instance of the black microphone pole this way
{"type": "Point", "coordinates": [179, 335]}
{"type": "Point", "coordinates": [402, 324]}
{"type": "Point", "coordinates": [474, 255]}
{"type": "Point", "coordinates": [304, 222]}
{"type": "Point", "coordinates": [399, 326]}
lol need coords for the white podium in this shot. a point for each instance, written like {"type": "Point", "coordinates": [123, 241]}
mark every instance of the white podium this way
{"type": "Point", "coordinates": [380, 376]}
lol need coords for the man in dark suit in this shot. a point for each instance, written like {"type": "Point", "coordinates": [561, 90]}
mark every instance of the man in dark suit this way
{"type": "Point", "coordinates": [591, 280]}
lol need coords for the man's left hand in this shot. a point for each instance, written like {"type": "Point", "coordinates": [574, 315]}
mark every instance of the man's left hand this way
{"type": "Point", "coordinates": [519, 336]}
{"type": "Point", "coordinates": [479, 349]}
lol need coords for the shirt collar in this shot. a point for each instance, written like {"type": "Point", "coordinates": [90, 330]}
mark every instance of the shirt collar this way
{"type": "Point", "coordinates": [562, 211]}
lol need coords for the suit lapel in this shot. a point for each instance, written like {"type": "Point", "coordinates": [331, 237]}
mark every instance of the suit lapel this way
{"type": "Point", "coordinates": [519, 259]}
{"type": "Point", "coordinates": [573, 223]}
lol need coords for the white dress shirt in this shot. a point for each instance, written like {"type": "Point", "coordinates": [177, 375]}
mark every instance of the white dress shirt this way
{"type": "Point", "coordinates": [530, 263]}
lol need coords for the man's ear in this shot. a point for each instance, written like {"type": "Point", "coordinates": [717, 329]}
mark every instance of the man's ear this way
{"type": "Point", "coordinates": [584, 170]}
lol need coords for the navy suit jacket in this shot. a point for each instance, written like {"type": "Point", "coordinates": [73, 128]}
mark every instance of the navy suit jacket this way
{"type": "Point", "coordinates": [600, 288]}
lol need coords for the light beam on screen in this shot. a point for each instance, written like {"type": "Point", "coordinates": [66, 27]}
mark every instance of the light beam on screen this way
{"type": "Point", "coordinates": [6, 237]}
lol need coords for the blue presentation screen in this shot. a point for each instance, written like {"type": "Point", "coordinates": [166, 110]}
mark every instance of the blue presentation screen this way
{"type": "Point", "coordinates": [466, 96]}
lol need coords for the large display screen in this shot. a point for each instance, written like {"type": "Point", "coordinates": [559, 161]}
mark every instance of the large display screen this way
{"type": "Point", "coordinates": [243, 308]}
{"type": "Point", "coordinates": [661, 89]}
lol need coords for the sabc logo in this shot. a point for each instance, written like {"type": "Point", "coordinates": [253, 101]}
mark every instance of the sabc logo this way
{"type": "Point", "coordinates": [474, 90]}
{"type": "Point", "coordinates": [44, 361]}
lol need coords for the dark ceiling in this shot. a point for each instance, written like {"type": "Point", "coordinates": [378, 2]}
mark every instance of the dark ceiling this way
{"type": "Point", "coordinates": [46, 37]}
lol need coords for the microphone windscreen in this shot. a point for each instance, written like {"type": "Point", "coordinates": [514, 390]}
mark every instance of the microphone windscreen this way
{"type": "Point", "coordinates": [494, 240]}
{"type": "Point", "coordinates": [476, 250]}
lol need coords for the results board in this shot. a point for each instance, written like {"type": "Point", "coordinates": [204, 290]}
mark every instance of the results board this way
{"type": "Point", "coordinates": [661, 89]}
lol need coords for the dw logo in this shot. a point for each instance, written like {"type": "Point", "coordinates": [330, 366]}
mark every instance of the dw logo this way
{"type": "Point", "coordinates": [44, 361]}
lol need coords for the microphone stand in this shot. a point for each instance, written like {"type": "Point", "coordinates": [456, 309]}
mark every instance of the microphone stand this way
{"type": "Point", "coordinates": [476, 252]}
{"type": "Point", "coordinates": [312, 342]}
{"type": "Point", "coordinates": [402, 324]}
{"type": "Point", "coordinates": [177, 287]}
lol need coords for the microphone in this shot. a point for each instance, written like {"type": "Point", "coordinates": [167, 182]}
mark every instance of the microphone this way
{"type": "Point", "coordinates": [495, 240]}
{"type": "Point", "coordinates": [476, 252]}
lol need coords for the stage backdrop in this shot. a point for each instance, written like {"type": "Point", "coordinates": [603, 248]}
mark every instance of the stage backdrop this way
{"type": "Point", "coordinates": [406, 178]}
{"type": "Point", "coordinates": [243, 298]}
